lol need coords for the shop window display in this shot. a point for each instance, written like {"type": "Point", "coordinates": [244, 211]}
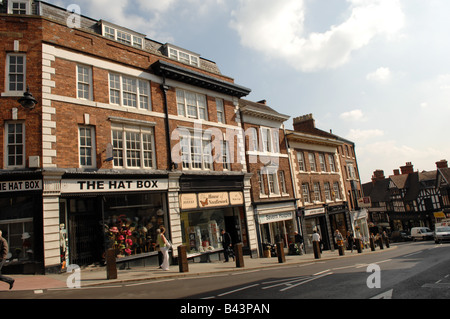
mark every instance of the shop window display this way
{"type": "Point", "coordinates": [131, 222]}
{"type": "Point", "coordinates": [201, 230]}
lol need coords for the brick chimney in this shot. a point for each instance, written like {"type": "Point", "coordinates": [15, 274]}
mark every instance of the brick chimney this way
{"type": "Point", "coordinates": [442, 164]}
{"type": "Point", "coordinates": [396, 172]}
{"type": "Point", "coordinates": [304, 123]}
{"type": "Point", "coordinates": [407, 169]}
{"type": "Point", "coordinates": [262, 102]}
{"type": "Point", "coordinates": [378, 175]}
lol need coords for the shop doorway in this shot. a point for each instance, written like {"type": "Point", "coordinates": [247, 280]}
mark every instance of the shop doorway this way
{"type": "Point", "coordinates": [85, 231]}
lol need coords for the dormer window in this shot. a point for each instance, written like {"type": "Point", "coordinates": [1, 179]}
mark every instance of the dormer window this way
{"type": "Point", "coordinates": [122, 35]}
{"type": "Point", "coordinates": [182, 55]}
{"type": "Point", "coordinates": [19, 7]}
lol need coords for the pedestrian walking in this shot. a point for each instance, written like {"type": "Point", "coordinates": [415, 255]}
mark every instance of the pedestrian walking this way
{"type": "Point", "coordinates": [350, 240]}
{"type": "Point", "coordinates": [3, 255]}
{"type": "Point", "coordinates": [164, 246]}
{"type": "Point", "coordinates": [226, 244]}
{"type": "Point", "coordinates": [299, 241]}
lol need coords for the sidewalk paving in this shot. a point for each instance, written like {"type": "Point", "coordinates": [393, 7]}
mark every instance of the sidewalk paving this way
{"type": "Point", "coordinates": [97, 276]}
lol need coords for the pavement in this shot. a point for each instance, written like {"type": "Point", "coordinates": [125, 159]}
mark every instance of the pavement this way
{"type": "Point", "coordinates": [89, 276]}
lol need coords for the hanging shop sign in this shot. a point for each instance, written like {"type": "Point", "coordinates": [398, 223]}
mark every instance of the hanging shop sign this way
{"type": "Point", "coordinates": [206, 200]}
{"type": "Point", "coordinates": [113, 185]}
{"type": "Point", "coordinates": [20, 186]}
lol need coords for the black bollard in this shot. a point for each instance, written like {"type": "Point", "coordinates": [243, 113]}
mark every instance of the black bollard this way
{"type": "Point", "coordinates": [372, 244]}
{"type": "Point", "coordinates": [341, 250]}
{"type": "Point", "coordinates": [358, 245]}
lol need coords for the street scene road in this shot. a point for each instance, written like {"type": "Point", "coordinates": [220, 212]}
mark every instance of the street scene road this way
{"type": "Point", "coordinates": [405, 271]}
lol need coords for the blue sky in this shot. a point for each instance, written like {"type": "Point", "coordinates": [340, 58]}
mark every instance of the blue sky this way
{"type": "Point", "coordinates": [373, 71]}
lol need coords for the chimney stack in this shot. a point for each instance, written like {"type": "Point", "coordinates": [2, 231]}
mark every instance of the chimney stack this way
{"type": "Point", "coordinates": [378, 175]}
{"type": "Point", "coordinates": [407, 169]}
{"type": "Point", "coordinates": [396, 172]}
{"type": "Point", "coordinates": [442, 164]}
{"type": "Point", "coordinates": [304, 123]}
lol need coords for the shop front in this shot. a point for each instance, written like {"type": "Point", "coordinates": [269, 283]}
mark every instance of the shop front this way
{"type": "Point", "coordinates": [203, 216]}
{"type": "Point", "coordinates": [21, 223]}
{"type": "Point", "coordinates": [123, 214]}
{"type": "Point", "coordinates": [276, 223]}
{"type": "Point", "coordinates": [339, 220]}
{"type": "Point", "coordinates": [316, 220]}
{"type": "Point", "coordinates": [360, 224]}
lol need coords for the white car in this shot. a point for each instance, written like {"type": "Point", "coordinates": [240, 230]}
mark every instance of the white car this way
{"type": "Point", "coordinates": [441, 233]}
{"type": "Point", "coordinates": [421, 233]}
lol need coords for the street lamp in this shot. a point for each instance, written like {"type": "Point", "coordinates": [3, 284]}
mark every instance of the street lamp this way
{"type": "Point", "coordinates": [27, 100]}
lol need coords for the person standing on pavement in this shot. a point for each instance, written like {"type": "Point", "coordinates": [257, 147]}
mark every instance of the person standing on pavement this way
{"type": "Point", "coordinates": [226, 243]}
{"type": "Point", "coordinates": [316, 237]}
{"type": "Point", "coordinates": [163, 246]}
{"type": "Point", "coordinates": [350, 240]}
{"type": "Point", "coordinates": [3, 255]}
{"type": "Point", "coordinates": [338, 238]}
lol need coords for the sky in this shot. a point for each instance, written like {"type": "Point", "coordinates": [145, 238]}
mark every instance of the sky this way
{"type": "Point", "coordinates": [375, 72]}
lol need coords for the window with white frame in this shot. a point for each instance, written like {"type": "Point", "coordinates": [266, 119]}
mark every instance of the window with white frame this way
{"type": "Point", "coordinates": [273, 183]}
{"type": "Point", "coordinates": [252, 139]}
{"type": "Point", "coordinates": [351, 171]}
{"type": "Point", "coordinates": [123, 36]}
{"type": "Point", "coordinates": [270, 140]}
{"type": "Point", "coordinates": [15, 144]}
{"type": "Point", "coordinates": [183, 56]}
{"type": "Point", "coordinates": [16, 72]}
{"type": "Point", "coordinates": [133, 146]}
{"type": "Point", "coordinates": [301, 161]}
{"type": "Point", "coordinates": [312, 162]}
{"type": "Point", "coordinates": [196, 151]}
{"type": "Point", "coordinates": [87, 146]}
{"type": "Point", "coordinates": [331, 162]}
{"type": "Point", "coordinates": [19, 7]}
{"type": "Point", "coordinates": [336, 190]}
{"type": "Point", "coordinates": [220, 111]}
{"type": "Point", "coordinates": [262, 190]}
{"type": "Point", "coordinates": [327, 190]}
{"type": "Point", "coordinates": [226, 160]}
{"type": "Point", "coordinates": [84, 82]}
{"type": "Point", "coordinates": [323, 166]}
{"type": "Point", "coordinates": [317, 195]}
{"type": "Point", "coordinates": [305, 191]}
{"type": "Point", "coordinates": [282, 182]}
{"type": "Point", "coordinates": [129, 91]}
{"type": "Point", "coordinates": [192, 105]}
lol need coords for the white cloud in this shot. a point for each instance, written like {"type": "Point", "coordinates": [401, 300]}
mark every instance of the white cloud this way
{"type": "Point", "coordinates": [380, 75]}
{"type": "Point", "coordinates": [354, 115]}
{"type": "Point", "coordinates": [277, 29]}
{"type": "Point", "coordinates": [357, 135]}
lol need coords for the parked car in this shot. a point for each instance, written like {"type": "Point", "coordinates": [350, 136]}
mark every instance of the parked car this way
{"type": "Point", "coordinates": [441, 233]}
{"type": "Point", "coordinates": [423, 233]}
{"type": "Point", "coordinates": [400, 235]}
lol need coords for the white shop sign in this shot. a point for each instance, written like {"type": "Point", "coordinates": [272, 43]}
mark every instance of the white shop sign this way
{"type": "Point", "coordinates": [113, 185]}
{"type": "Point", "coordinates": [277, 217]}
{"type": "Point", "coordinates": [19, 186]}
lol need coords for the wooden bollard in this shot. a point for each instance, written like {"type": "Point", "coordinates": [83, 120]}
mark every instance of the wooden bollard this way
{"type": "Point", "coordinates": [239, 255]}
{"type": "Point", "coordinates": [280, 252]}
{"type": "Point", "coordinates": [111, 268]}
{"type": "Point", "coordinates": [182, 259]}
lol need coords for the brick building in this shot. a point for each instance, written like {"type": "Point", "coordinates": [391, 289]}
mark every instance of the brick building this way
{"type": "Point", "coordinates": [321, 181]}
{"type": "Point", "coordinates": [127, 132]}
{"type": "Point", "coordinates": [267, 158]}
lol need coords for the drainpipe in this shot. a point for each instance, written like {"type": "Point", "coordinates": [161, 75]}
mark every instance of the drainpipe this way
{"type": "Point", "coordinates": [170, 164]}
